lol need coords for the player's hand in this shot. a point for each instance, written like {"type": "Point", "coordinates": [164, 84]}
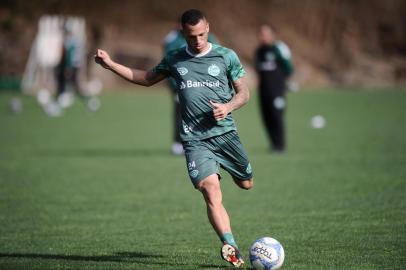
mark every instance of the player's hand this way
{"type": "Point", "coordinates": [220, 110]}
{"type": "Point", "coordinates": [103, 58]}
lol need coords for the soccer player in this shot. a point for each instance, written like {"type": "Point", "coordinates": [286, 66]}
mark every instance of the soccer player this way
{"type": "Point", "coordinates": [210, 86]}
{"type": "Point", "coordinates": [173, 41]}
{"type": "Point", "coordinates": [274, 66]}
{"type": "Point", "coordinates": [69, 68]}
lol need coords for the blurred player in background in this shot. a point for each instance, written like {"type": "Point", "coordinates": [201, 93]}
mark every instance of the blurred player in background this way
{"type": "Point", "coordinates": [174, 40]}
{"type": "Point", "coordinates": [68, 71]}
{"type": "Point", "coordinates": [210, 85]}
{"type": "Point", "coordinates": [274, 65]}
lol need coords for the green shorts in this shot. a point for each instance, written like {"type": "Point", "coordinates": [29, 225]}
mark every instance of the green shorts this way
{"type": "Point", "coordinates": [204, 157]}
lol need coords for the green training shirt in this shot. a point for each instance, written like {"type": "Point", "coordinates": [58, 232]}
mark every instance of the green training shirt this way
{"type": "Point", "coordinates": [175, 40]}
{"type": "Point", "coordinates": [199, 79]}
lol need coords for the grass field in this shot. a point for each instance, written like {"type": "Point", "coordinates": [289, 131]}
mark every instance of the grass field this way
{"type": "Point", "coordinates": [101, 191]}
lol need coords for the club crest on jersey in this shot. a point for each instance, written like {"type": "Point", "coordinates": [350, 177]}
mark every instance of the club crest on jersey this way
{"type": "Point", "coordinates": [182, 70]}
{"type": "Point", "coordinates": [213, 70]}
{"type": "Point", "coordinates": [194, 173]}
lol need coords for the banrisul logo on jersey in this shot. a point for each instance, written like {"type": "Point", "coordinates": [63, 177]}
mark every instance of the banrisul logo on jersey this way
{"type": "Point", "coordinates": [213, 70]}
{"type": "Point", "coordinates": [195, 84]}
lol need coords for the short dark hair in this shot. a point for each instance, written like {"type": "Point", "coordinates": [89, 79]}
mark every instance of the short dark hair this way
{"type": "Point", "coordinates": [192, 17]}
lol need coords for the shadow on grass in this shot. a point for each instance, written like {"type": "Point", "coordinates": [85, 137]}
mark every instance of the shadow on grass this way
{"type": "Point", "coordinates": [119, 257]}
{"type": "Point", "coordinates": [100, 152]}
{"type": "Point", "coordinates": [131, 257]}
{"type": "Point", "coordinates": [226, 267]}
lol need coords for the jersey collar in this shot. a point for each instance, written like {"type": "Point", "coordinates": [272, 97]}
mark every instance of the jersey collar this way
{"type": "Point", "coordinates": [199, 54]}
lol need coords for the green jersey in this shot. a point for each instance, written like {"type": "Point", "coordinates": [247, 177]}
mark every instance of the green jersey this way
{"type": "Point", "coordinates": [200, 79]}
{"type": "Point", "coordinates": [175, 40]}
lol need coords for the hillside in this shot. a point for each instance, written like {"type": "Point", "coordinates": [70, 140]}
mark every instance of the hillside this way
{"type": "Point", "coordinates": [333, 41]}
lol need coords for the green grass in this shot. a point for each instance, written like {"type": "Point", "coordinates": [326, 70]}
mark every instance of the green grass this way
{"type": "Point", "coordinates": [101, 191]}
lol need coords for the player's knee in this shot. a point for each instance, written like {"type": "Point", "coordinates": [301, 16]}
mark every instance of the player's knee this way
{"type": "Point", "coordinates": [210, 188]}
{"type": "Point", "coordinates": [210, 182]}
{"type": "Point", "coordinates": [245, 184]}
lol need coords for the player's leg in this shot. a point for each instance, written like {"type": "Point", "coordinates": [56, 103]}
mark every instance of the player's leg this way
{"type": "Point", "coordinates": [61, 81]}
{"type": "Point", "coordinates": [232, 157]}
{"type": "Point", "coordinates": [244, 183]}
{"type": "Point", "coordinates": [203, 170]}
{"type": "Point", "coordinates": [278, 130]}
{"type": "Point", "coordinates": [177, 147]}
{"type": "Point", "coordinates": [265, 104]}
{"type": "Point", "coordinates": [73, 80]}
{"type": "Point", "coordinates": [276, 117]}
{"type": "Point", "coordinates": [177, 119]}
{"type": "Point", "coordinates": [217, 214]}
{"type": "Point", "coordinates": [219, 218]}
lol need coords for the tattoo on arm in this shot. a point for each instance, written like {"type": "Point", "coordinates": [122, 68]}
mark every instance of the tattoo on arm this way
{"type": "Point", "coordinates": [242, 95]}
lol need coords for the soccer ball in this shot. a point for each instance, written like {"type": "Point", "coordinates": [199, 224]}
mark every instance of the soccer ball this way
{"type": "Point", "coordinates": [267, 253]}
{"type": "Point", "coordinates": [318, 121]}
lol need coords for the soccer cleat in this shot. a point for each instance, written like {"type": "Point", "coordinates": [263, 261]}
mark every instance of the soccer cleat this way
{"type": "Point", "coordinates": [232, 255]}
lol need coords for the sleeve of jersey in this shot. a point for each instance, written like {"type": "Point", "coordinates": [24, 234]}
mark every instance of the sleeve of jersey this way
{"type": "Point", "coordinates": [285, 56]}
{"type": "Point", "coordinates": [162, 67]}
{"type": "Point", "coordinates": [234, 67]}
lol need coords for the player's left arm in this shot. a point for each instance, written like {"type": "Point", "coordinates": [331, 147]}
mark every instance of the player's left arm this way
{"type": "Point", "coordinates": [241, 97]}
{"type": "Point", "coordinates": [285, 56]}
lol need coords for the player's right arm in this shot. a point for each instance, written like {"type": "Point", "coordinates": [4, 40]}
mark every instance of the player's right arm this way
{"type": "Point", "coordinates": [137, 76]}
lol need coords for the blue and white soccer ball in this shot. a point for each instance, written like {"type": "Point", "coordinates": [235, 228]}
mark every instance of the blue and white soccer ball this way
{"type": "Point", "coordinates": [267, 253]}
